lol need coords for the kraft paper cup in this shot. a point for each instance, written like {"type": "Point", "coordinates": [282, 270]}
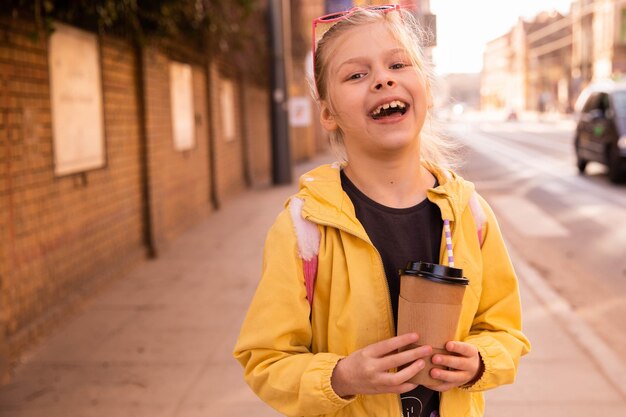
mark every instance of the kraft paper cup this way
{"type": "Point", "coordinates": [431, 296]}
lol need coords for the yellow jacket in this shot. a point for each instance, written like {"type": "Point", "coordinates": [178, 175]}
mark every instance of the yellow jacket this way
{"type": "Point", "coordinates": [289, 356]}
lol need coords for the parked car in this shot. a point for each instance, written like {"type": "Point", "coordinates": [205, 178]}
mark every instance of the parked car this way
{"type": "Point", "coordinates": [601, 130]}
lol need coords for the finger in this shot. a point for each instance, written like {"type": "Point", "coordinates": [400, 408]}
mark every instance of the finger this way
{"type": "Point", "coordinates": [455, 362]}
{"type": "Point", "coordinates": [454, 377]}
{"type": "Point", "coordinates": [403, 375]}
{"type": "Point", "coordinates": [462, 348]}
{"type": "Point", "coordinates": [401, 358]}
{"type": "Point", "coordinates": [387, 346]}
{"type": "Point", "coordinates": [398, 389]}
{"type": "Point", "coordinates": [406, 387]}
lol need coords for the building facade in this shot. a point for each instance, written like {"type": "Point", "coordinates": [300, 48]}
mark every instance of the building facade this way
{"type": "Point", "coordinates": [528, 67]}
{"type": "Point", "coordinates": [549, 60]}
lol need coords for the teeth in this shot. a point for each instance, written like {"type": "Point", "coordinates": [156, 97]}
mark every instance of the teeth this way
{"type": "Point", "coordinates": [393, 104]}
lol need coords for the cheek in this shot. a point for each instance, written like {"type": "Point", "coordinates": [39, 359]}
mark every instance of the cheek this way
{"type": "Point", "coordinates": [345, 106]}
{"type": "Point", "coordinates": [423, 99]}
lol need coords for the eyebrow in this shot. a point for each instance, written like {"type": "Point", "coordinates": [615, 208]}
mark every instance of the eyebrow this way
{"type": "Point", "coordinates": [359, 59]}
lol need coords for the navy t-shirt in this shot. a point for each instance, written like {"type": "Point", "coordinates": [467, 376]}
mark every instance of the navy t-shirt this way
{"type": "Point", "coordinates": [400, 236]}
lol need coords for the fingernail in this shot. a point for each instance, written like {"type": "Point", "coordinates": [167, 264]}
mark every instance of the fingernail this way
{"type": "Point", "coordinates": [436, 359]}
{"type": "Point", "coordinates": [420, 363]}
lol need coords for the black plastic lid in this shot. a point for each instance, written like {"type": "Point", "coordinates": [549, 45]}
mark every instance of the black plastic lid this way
{"type": "Point", "coordinates": [435, 272]}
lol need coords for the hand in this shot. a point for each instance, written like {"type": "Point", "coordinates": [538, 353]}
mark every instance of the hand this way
{"type": "Point", "coordinates": [464, 368]}
{"type": "Point", "coordinates": [366, 371]}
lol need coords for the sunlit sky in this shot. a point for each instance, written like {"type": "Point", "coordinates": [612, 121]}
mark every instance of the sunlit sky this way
{"type": "Point", "coordinates": [464, 27]}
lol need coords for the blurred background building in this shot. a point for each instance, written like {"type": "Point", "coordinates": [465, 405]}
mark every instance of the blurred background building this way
{"type": "Point", "coordinates": [543, 64]}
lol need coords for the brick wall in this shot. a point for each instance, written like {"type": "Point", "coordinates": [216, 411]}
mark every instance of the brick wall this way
{"type": "Point", "coordinates": [257, 133]}
{"type": "Point", "coordinates": [59, 234]}
{"type": "Point", "coordinates": [63, 237]}
{"type": "Point", "coordinates": [303, 138]}
{"type": "Point", "coordinates": [179, 180]}
{"type": "Point", "coordinates": [230, 168]}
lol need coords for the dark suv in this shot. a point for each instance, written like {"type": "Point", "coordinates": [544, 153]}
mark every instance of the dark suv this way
{"type": "Point", "coordinates": [601, 131]}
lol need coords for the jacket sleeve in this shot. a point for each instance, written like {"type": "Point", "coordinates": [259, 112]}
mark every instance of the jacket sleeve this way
{"type": "Point", "coordinates": [497, 326]}
{"type": "Point", "coordinates": [275, 338]}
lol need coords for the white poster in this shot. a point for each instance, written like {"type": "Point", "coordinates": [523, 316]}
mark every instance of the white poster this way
{"type": "Point", "coordinates": [76, 100]}
{"type": "Point", "coordinates": [227, 102]}
{"type": "Point", "coordinates": [181, 94]}
{"type": "Point", "coordinates": [299, 111]}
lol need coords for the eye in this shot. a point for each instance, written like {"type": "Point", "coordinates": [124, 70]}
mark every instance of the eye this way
{"type": "Point", "coordinates": [398, 65]}
{"type": "Point", "coordinates": [356, 76]}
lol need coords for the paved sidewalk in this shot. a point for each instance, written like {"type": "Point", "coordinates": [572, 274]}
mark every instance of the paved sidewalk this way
{"type": "Point", "coordinates": [158, 342]}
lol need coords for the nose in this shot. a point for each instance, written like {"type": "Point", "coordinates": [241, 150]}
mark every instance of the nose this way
{"type": "Point", "coordinates": [381, 84]}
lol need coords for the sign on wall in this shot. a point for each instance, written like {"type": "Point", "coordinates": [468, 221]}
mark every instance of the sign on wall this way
{"type": "Point", "coordinates": [227, 103]}
{"type": "Point", "coordinates": [299, 111]}
{"type": "Point", "coordinates": [181, 95]}
{"type": "Point", "coordinates": [76, 95]}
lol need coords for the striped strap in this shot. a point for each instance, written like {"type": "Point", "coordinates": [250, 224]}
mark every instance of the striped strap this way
{"type": "Point", "coordinates": [446, 229]}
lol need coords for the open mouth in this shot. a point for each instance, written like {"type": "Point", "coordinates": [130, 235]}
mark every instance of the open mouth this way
{"type": "Point", "coordinates": [389, 109]}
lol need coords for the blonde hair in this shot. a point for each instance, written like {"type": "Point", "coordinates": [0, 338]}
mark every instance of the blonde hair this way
{"type": "Point", "coordinates": [434, 146]}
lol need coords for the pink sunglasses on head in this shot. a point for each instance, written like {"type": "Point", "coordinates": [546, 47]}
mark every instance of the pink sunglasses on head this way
{"type": "Point", "coordinates": [323, 24]}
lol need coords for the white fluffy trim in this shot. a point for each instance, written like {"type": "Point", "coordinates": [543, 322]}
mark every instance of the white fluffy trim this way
{"type": "Point", "coordinates": [307, 233]}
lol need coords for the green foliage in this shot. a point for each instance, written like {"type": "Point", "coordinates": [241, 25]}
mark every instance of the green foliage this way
{"type": "Point", "coordinates": [213, 25]}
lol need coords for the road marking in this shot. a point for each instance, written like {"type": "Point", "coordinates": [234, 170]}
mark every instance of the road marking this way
{"type": "Point", "coordinates": [504, 182]}
{"type": "Point", "coordinates": [554, 188]}
{"type": "Point", "coordinates": [527, 217]}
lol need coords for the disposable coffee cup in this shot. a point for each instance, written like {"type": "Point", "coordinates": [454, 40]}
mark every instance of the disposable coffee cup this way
{"type": "Point", "coordinates": [431, 296]}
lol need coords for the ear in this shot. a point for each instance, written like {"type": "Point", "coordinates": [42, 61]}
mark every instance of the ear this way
{"type": "Point", "coordinates": [327, 118]}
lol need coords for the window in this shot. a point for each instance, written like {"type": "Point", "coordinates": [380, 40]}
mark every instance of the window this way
{"type": "Point", "coordinates": [592, 103]}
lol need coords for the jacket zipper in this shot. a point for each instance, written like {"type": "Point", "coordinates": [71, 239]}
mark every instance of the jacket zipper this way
{"type": "Point", "coordinates": [390, 320]}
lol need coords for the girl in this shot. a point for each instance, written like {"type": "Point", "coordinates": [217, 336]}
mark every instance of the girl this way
{"type": "Point", "coordinates": [386, 204]}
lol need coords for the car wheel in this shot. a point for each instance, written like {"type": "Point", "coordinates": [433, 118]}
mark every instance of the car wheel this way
{"type": "Point", "coordinates": [616, 173]}
{"type": "Point", "coordinates": [581, 163]}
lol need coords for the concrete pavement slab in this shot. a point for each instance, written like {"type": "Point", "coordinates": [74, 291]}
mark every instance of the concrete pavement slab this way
{"type": "Point", "coordinates": [560, 376]}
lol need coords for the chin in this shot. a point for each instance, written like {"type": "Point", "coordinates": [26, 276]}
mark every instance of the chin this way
{"type": "Point", "coordinates": [398, 145]}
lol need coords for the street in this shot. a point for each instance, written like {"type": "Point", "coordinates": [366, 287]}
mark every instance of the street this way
{"type": "Point", "coordinates": [570, 228]}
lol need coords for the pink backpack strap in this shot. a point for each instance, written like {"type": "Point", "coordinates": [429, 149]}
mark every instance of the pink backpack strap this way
{"type": "Point", "coordinates": [308, 239]}
{"type": "Point", "coordinates": [480, 218]}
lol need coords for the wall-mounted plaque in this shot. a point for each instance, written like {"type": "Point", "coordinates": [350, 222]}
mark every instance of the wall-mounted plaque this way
{"type": "Point", "coordinates": [227, 103]}
{"type": "Point", "coordinates": [299, 111]}
{"type": "Point", "coordinates": [76, 96]}
{"type": "Point", "coordinates": [181, 94]}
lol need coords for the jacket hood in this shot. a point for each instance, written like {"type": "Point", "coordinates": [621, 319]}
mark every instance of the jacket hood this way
{"type": "Point", "coordinates": [326, 202]}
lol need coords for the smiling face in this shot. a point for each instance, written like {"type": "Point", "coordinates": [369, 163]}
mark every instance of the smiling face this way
{"type": "Point", "coordinates": [376, 96]}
